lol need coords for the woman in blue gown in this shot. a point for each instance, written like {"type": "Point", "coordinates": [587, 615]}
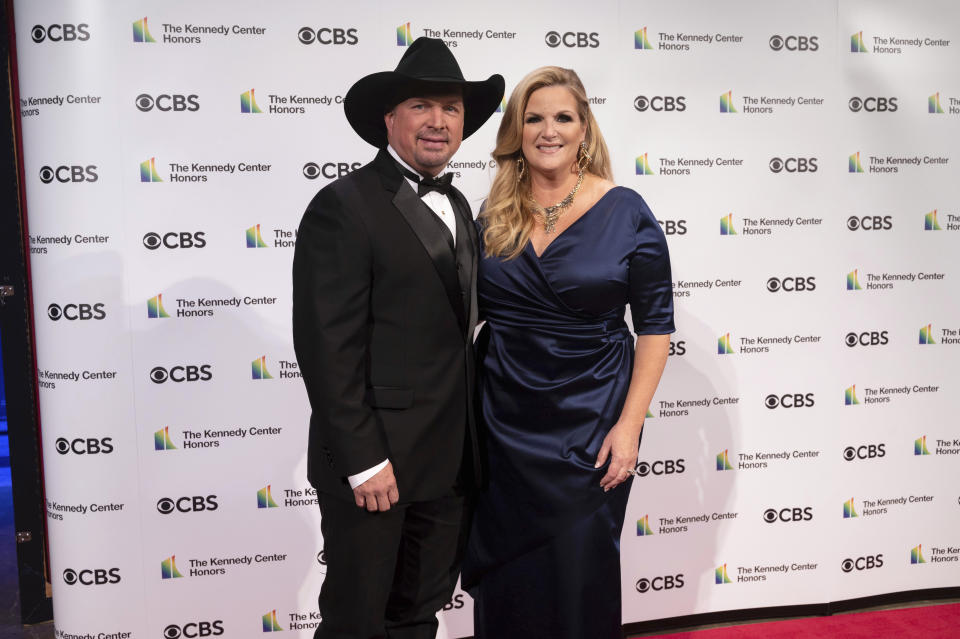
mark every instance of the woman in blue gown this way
{"type": "Point", "coordinates": [561, 394]}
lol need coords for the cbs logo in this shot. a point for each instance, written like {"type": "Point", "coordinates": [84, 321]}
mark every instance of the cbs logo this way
{"type": "Point", "coordinates": [678, 348]}
{"type": "Point", "coordinates": [790, 400]}
{"type": "Point", "coordinates": [572, 39]}
{"type": "Point", "coordinates": [668, 582]}
{"type": "Point", "coordinates": [167, 102]}
{"type": "Point", "coordinates": [454, 604]}
{"type": "Point", "coordinates": [60, 33]}
{"type": "Point", "coordinates": [794, 43]}
{"type": "Point", "coordinates": [867, 451]}
{"type": "Point", "coordinates": [327, 35]}
{"type": "Point", "coordinates": [873, 105]}
{"type": "Point", "coordinates": [793, 165]}
{"type": "Point", "coordinates": [661, 467]}
{"type": "Point", "coordinates": [862, 563]}
{"type": "Point", "coordinates": [194, 629]}
{"type": "Point", "coordinates": [193, 504]}
{"type": "Point", "coordinates": [794, 513]}
{"type": "Point", "coordinates": [870, 223]}
{"type": "Point", "coordinates": [791, 284]}
{"type": "Point", "coordinates": [85, 446]}
{"type": "Point", "coordinates": [189, 373]}
{"type": "Point", "coordinates": [95, 577]}
{"type": "Point", "coordinates": [175, 240]}
{"type": "Point", "coordinates": [76, 311]}
{"type": "Point", "coordinates": [866, 338]}
{"type": "Point", "coordinates": [330, 170]}
{"type": "Point", "coordinates": [660, 103]}
{"type": "Point", "coordinates": [69, 173]}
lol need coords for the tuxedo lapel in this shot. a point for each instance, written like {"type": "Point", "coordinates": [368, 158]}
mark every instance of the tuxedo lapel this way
{"type": "Point", "coordinates": [429, 230]}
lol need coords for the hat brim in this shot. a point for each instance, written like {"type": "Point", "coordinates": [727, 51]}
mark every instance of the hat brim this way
{"type": "Point", "coordinates": [366, 102]}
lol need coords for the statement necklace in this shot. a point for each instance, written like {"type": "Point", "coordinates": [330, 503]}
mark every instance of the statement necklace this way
{"type": "Point", "coordinates": [551, 214]}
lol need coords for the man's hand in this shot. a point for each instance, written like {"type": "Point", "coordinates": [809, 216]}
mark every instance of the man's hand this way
{"type": "Point", "coordinates": [379, 492]}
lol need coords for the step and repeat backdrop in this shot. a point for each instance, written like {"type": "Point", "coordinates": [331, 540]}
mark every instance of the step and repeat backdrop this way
{"type": "Point", "coordinates": [803, 446]}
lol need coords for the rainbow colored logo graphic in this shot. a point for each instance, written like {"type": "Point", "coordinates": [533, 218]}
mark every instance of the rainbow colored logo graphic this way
{"type": "Point", "coordinates": [850, 396]}
{"type": "Point", "coordinates": [916, 555]}
{"type": "Point", "coordinates": [141, 33]}
{"type": "Point", "coordinates": [155, 308]}
{"type": "Point", "coordinates": [168, 568]}
{"type": "Point", "coordinates": [270, 622]}
{"type": "Point", "coordinates": [920, 446]}
{"type": "Point", "coordinates": [726, 225]}
{"type": "Point", "coordinates": [503, 106]}
{"type": "Point", "coordinates": [254, 239]}
{"type": "Point", "coordinates": [640, 39]}
{"type": "Point", "coordinates": [726, 102]}
{"type": "Point", "coordinates": [404, 38]}
{"type": "Point", "coordinates": [854, 165]}
{"type": "Point", "coordinates": [933, 103]}
{"type": "Point", "coordinates": [148, 171]}
{"type": "Point", "coordinates": [162, 441]}
{"type": "Point", "coordinates": [649, 414]}
{"type": "Point", "coordinates": [848, 510]}
{"type": "Point", "coordinates": [926, 334]}
{"type": "Point", "coordinates": [856, 43]}
{"type": "Point", "coordinates": [248, 102]}
{"type": "Point", "coordinates": [723, 460]}
{"type": "Point", "coordinates": [930, 222]}
{"type": "Point", "coordinates": [723, 345]}
{"type": "Point", "coordinates": [643, 527]}
{"type": "Point", "coordinates": [720, 576]}
{"type": "Point", "coordinates": [265, 498]}
{"type": "Point", "coordinates": [258, 368]}
{"type": "Point", "coordinates": [643, 166]}
{"type": "Point", "coordinates": [853, 280]}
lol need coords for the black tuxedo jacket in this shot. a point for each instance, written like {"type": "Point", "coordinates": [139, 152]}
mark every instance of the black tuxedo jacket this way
{"type": "Point", "coordinates": [384, 309]}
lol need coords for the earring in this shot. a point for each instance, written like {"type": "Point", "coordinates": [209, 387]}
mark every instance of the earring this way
{"type": "Point", "coordinates": [583, 158]}
{"type": "Point", "coordinates": [521, 167]}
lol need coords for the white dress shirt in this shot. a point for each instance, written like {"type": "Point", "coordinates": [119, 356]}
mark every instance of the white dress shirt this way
{"type": "Point", "coordinates": [440, 205]}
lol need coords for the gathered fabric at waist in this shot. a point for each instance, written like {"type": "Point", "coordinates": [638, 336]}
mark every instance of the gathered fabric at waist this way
{"type": "Point", "coordinates": [574, 328]}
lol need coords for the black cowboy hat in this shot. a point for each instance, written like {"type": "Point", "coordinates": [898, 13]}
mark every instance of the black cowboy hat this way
{"type": "Point", "coordinates": [426, 61]}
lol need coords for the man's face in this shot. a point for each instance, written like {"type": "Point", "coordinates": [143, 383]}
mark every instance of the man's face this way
{"type": "Point", "coordinates": [426, 131]}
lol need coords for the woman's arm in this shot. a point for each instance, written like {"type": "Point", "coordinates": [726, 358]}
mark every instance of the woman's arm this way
{"type": "Point", "coordinates": [622, 442]}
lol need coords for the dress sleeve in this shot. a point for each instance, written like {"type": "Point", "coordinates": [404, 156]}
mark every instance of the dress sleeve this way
{"type": "Point", "coordinates": [651, 286]}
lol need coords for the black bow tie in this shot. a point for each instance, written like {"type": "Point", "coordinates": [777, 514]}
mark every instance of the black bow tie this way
{"type": "Point", "coordinates": [441, 184]}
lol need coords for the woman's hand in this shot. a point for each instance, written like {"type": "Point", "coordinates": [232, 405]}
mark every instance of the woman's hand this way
{"type": "Point", "coordinates": [621, 445]}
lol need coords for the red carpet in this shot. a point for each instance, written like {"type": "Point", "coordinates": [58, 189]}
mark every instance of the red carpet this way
{"type": "Point", "coordinates": [926, 622]}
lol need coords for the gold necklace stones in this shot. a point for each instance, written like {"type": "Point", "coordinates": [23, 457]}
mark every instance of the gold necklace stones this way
{"type": "Point", "coordinates": [551, 214]}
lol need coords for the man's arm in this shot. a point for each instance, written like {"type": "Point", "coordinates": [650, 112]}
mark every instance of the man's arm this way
{"type": "Point", "coordinates": [331, 294]}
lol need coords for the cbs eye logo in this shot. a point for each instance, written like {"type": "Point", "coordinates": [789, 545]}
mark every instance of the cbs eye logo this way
{"type": "Point", "coordinates": [572, 39]}
{"type": "Point", "coordinates": [794, 43]}
{"type": "Point", "coordinates": [175, 240]}
{"type": "Point", "coordinates": [789, 514]}
{"type": "Point", "coordinates": [667, 582]}
{"type": "Point", "coordinates": [84, 446]}
{"type": "Point", "coordinates": [867, 338]}
{"type": "Point", "coordinates": [327, 35]}
{"type": "Point", "coordinates": [862, 563]}
{"type": "Point", "coordinates": [189, 373]}
{"type": "Point", "coordinates": [60, 33]}
{"type": "Point", "coordinates": [791, 284]}
{"type": "Point", "coordinates": [872, 105]}
{"type": "Point", "coordinates": [167, 102]}
{"type": "Point", "coordinates": [660, 103]}
{"type": "Point", "coordinates": [793, 165]}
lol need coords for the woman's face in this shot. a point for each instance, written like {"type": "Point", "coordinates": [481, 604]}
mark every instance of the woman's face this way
{"type": "Point", "coordinates": [552, 130]}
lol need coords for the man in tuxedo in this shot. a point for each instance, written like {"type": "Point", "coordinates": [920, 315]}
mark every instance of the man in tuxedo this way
{"type": "Point", "coordinates": [384, 308]}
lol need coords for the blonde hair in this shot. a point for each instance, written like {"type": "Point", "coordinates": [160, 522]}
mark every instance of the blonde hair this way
{"type": "Point", "coordinates": [508, 218]}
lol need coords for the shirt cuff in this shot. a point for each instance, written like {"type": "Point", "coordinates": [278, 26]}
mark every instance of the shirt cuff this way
{"type": "Point", "coordinates": [359, 478]}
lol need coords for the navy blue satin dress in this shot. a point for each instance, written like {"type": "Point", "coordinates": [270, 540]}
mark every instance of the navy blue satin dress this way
{"type": "Point", "coordinates": [544, 551]}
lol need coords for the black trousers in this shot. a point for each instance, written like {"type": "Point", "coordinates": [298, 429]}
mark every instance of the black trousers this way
{"type": "Point", "coordinates": [388, 573]}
